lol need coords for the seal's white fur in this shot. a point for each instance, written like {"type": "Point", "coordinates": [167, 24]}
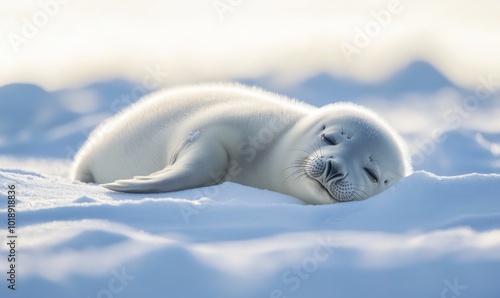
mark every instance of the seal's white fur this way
{"type": "Point", "coordinates": [200, 135]}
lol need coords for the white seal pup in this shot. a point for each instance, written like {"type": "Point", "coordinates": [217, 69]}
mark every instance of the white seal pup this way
{"type": "Point", "coordinates": [201, 135]}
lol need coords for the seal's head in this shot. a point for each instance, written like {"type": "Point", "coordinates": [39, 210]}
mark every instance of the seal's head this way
{"type": "Point", "coordinates": [355, 155]}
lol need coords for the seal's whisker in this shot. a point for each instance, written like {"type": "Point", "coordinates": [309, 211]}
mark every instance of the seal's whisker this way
{"type": "Point", "coordinates": [297, 170]}
{"type": "Point", "coordinates": [293, 174]}
{"type": "Point", "coordinates": [293, 166]}
{"type": "Point", "coordinates": [359, 188]}
{"type": "Point", "coordinates": [309, 152]}
{"type": "Point", "coordinates": [357, 197]}
{"type": "Point", "coordinates": [363, 192]}
{"type": "Point", "coordinates": [296, 164]}
{"type": "Point", "coordinates": [297, 167]}
{"type": "Point", "coordinates": [301, 176]}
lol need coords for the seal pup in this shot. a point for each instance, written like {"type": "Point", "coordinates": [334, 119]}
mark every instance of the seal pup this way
{"type": "Point", "coordinates": [200, 135]}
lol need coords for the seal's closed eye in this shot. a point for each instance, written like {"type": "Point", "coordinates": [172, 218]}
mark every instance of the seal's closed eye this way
{"type": "Point", "coordinates": [329, 139]}
{"type": "Point", "coordinates": [372, 175]}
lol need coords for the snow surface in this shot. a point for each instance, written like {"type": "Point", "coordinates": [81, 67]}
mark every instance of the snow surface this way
{"type": "Point", "coordinates": [430, 235]}
{"type": "Point", "coordinates": [234, 241]}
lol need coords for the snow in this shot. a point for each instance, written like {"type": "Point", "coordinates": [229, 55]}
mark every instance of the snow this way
{"type": "Point", "coordinates": [75, 238]}
{"type": "Point", "coordinates": [434, 234]}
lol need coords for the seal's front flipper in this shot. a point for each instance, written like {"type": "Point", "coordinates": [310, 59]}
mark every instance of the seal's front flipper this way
{"type": "Point", "coordinates": [195, 167]}
{"type": "Point", "coordinates": [163, 181]}
{"type": "Point", "coordinates": [171, 178]}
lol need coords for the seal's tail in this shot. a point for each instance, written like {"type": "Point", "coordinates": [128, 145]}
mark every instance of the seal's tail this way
{"type": "Point", "coordinates": [82, 173]}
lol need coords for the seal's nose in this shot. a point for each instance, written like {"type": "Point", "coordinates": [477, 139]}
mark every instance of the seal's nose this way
{"type": "Point", "coordinates": [333, 171]}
